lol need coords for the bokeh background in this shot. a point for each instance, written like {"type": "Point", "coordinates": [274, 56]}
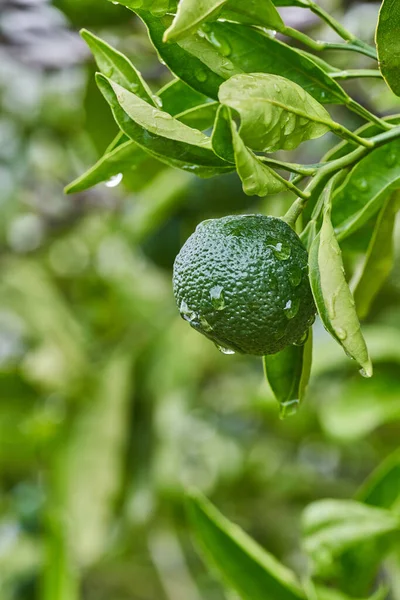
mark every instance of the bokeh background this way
{"type": "Point", "coordinates": [110, 405]}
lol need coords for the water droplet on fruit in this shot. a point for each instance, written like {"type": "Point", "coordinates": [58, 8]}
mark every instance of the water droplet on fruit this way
{"type": "Point", "coordinates": [295, 275]}
{"type": "Point", "coordinates": [200, 75]}
{"type": "Point", "coordinates": [217, 297]}
{"type": "Point", "coordinates": [281, 250]}
{"type": "Point", "coordinates": [302, 340]}
{"type": "Point", "coordinates": [341, 333]}
{"type": "Point", "coordinates": [225, 350]}
{"type": "Point", "coordinates": [186, 313]}
{"type": "Point", "coordinates": [288, 408]}
{"type": "Point", "coordinates": [114, 180]}
{"type": "Point", "coordinates": [362, 185]}
{"type": "Point", "coordinates": [291, 308]}
{"type": "Point", "coordinates": [205, 325]}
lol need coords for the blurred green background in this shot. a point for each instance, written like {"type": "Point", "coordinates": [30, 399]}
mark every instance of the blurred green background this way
{"type": "Point", "coordinates": [110, 404]}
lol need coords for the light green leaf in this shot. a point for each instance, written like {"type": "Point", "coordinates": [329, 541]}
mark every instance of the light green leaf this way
{"type": "Point", "coordinates": [275, 113]}
{"type": "Point", "coordinates": [117, 67]}
{"type": "Point", "coordinates": [221, 139]}
{"type": "Point", "coordinates": [188, 67]}
{"type": "Point", "coordinates": [288, 373]}
{"type": "Point", "coordinates": [332, 295]}
{"type": "Point", "coordinates": [192, 13]}
{"type": "Point", "coordinates": [241, 563]}
{"type": "Point", "coordinates": [388, 43]}
{"type": "Point", "coordinates": [161, 135]}
{"type": "Point", "coordinates": [382, 486]}
{"type": "Point", "coordinates": [378, 261]}
{"type": "Point", "coordinates": [155, 7]}
{"type": "Point", "coordinates": [309, 233]}
{"type": "Point", "coordinates": [365, 188]}
{"type": "Point", "coordinates": [257, 178]}
{"type": "Point", "coordinates": [331, 527]}
{"type": "Point", "coordinates": [269, 55]}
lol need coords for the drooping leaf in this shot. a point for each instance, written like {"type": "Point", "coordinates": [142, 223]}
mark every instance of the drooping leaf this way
{"type": "Point", "coordinates": [333, 297]}
{"type": "Point", "coordinates": [332, 527]}
{"type": "Point", "coordinates": [192, 13]}
{"type": "Point", "coordinates": [241, 563]}
{"type": "Point", "coordinates": [288, 373]}
{"type": "Point", "coordinates": [155, 7]}
{"type": "Point", "coordinates": [269, 55]}
{"type": "Point", "coordinates": [379, 259]}
{"type": "Point", "coordinates": [221, 139]}
{"type": "Point", "coordinates": [388, 43]}
{"type": "Point", "coordinates": [309, 233]}
{"type": "Point", "coordinates": [193, 71]}
{"type": "Point", "coordinates": [161, 135]}
{"type": "Point", "coordinates": [117, 67]}
{"type": "Point", "coordinates": [382, 488]}
{"type": "Point", "coordinates": [275, 113]}
{"type": "Point", "coordinates": [257, 178]}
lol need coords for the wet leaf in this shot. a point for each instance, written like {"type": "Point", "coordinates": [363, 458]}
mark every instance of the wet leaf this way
{"type": "Point", "coordinates": [241, 563]}
{"type": "Point", "coordinates": [221, 138]}
{"type": "Point", "coordinates": [200, 117]}
{"type": "Point", "coordinates": [117, 67]}
{"type": "Point", "coordinates": [378, 261]}
{"type": "Point", "coordinates": [176, 97]}
{"type": "Point", "coordinates": [388, 43]}
{"type": "Point", "coordinates": [365, 188]}
{"type": "Point", "coordinates": [254, 12]}
{"type": "Point", "coordinates": [288, 373]}
{"type": "Point", "coordinates": [155, 7]}
{"type": "Point", "coordinates": [275, 113]}
{"type": "Point", "coordinates": [333, 297]}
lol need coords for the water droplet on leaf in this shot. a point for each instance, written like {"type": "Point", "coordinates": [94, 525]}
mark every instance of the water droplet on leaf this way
{"type": "Point", "coordinates": [341, 333]}
{"type": "Point", "coordinates": [200, 75]}
{"type": "Point", "coordinates": [114, 180]}
{"type": "Point", "coordinates": [362, 185]}
{"type": "Point", "coordinates": [391, 158]}
{"type": "Point", "coordinates": [288, 408]}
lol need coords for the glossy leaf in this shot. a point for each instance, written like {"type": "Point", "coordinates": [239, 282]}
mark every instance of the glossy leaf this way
{"type": "Point", "coordinates": [185, 65]}
{"type": "Point", "coordinates": [378, 261]}
{"type": "Point", "coordinates": [155, 7]}
{"type": "Point", "coordinates": [275, 113]}
{"type": "Point", "coordinates": [365, 188]}
{"type": "Point", "coordinates": [309, 233]}
{"type": "Point", "coordinates": [257, 179]}
{"type": "Point", "coordinates": [192, 13]}
{"type": "Point", "coordinates": [117, 67]}
{"type": "Point", "coordinates": [200, 117]}
{"type": "Point", "coordinates": [161, 135]}
{"type": "Point", "coordinates": [269, 55]}
{"type": "Point", "coordinates": [333, 297]}
{"type": "Point", "coordinates": [242, 564]}
{"type": "Point", "coordinates": [176, 97]}
{"type": "Point", "coordinates": [382, 488]}
{"type": "Point", "coordinates": [388, 43]}
{"type": "Point", "coordinates": [288, 373]}
{"type": "Point", "coordinates": [331, 527]}
{"type": "Point", "coordinates": [221, 139]}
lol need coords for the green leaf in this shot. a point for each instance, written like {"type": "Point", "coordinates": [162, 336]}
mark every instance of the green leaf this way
{"type": "Point", "coordinates": [269, 55]}
{"type": "Point", "coordinates": [388, 43]}
{"type": "Point", "coordinates": [379, 259]}
{"type": "Point", "coordinates": [176, 97]}
{"type": "Point", "coordinates": [121, 159]}
{"type": "Point", "coordinates": [365, 188]}
{"type": "Point", "coordinates": [117, 67]}
{"type": "Point", "coordinates": [309, 233]}
{"type": "Point", "coordinates": [331, 527]}
{"type": "Point", "coordinates": [275, 113]}
{"type": "Point", "coordinates": [192, 13]}
{"type": "Point", "coordinates": [288, 373]}
{"type": "Point", "coordinates": [155, 7]}
{"type": "Point", "coordinates": [159, 134]}
{"type": "Point", "coordinates": [241, 563]}
{"type": "Point", "coordinates": [382, 487]}
{"type": "Point", "coordinates": [193, 71]}
{"type": "Point", "coordinates": [221, 139]}
{"type": "Point", "coordinates": [257, 178]}
{"type": "Point", "coordinates": [200, 117]}
{"type": "Point", "coordinates": [332, 295]}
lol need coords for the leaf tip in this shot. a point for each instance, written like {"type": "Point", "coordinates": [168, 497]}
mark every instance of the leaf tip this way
{"type": "Point", "coordinates": [367, 370]}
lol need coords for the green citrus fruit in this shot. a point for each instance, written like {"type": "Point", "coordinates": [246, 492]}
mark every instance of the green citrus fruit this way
{"type": "Point", "coordinates": [242, 281]}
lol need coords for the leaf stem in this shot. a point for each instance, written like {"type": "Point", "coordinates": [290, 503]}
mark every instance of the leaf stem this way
{"type": "Point", "coordinates": [305, 170]}
{"type": "Point", "coordinates": [356, 74]}
{"type": "Point", "coordinates": [342, 131]}
{"type": "Point", "coordinates": [319, 45]}
{"type": "Point", "coordinates": [366, 114]}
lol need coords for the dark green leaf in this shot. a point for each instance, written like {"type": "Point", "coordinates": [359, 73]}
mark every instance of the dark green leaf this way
{"type": "Point", "coordinates": [254, 12]}
{"type": "Point", "coordinates": [288, 373]}
{"type": "Point", "coordinates": [257, 178]}
{"type": "Point", "coordinates": [117, 67]}
{"type": "Point", "coordinates": [365, 188]}
{"type": "Point", "coordinates": [221, 138]}
{"type": "Point", "coordinates": [155, 7]}
{"type": "Point", "coordinates": [159, 134]}
{"type": "Point", "coordinates": [332, 295]}
{"type": "Point", "coordinates": [176, 97]}
{"type": "Point", "coordinates": [275, 113]}
{"type": "Point", "coordinates": [242, 564]}
{"type": "Point", "coordinates": [200, 117]}
{"type": "Point", "coordinates": [388, 43]}
{"type": "Point", "coordinates": [378, 262]}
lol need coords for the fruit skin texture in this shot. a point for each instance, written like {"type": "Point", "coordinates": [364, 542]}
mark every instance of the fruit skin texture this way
{"type": "Point", "coordinates": [242, 281]}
